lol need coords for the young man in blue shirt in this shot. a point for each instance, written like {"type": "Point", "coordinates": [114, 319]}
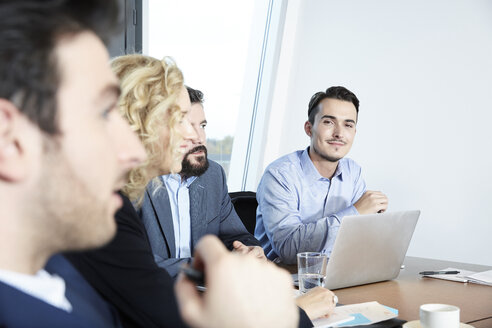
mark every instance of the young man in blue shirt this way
{"type": "Point", "coordinates": [303, 196]}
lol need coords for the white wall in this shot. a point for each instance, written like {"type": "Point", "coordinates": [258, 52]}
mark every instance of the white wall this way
{"type": "Point", "coordinates": [423, 73]}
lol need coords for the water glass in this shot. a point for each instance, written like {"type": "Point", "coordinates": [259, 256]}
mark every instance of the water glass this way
{"type": "Point", "coordinates": [311, 270]}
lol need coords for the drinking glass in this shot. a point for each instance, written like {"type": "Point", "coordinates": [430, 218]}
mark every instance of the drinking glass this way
{"type": "Point", "coordinates": [311, 270]}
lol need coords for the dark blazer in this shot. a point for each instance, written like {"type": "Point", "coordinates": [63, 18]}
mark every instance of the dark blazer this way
{"type": "Point", "coordinates": [211, 212]}
{"type": "Point", "coordinates": [125, 274]}
{"type": "Point", "coordinates": [18, 309]}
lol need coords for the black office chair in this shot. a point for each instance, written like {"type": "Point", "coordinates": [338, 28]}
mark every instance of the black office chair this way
{"type": "Point", "coordinates": [245, 205]}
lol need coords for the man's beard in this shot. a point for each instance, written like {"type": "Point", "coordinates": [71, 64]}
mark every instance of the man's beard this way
{"type": "Point", "coordinates": [326, 156]}
{"type": "Point", "coordinates": [196, 169]}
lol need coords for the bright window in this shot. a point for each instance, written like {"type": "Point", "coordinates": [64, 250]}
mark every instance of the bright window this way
{"type": "Point", "coordinates": [226, 49]}
{"type": "Point", "coordinates": [209, 41]}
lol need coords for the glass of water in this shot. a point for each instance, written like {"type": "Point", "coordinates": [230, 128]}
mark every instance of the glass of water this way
{"type": "Point", "coordinates": [311, 270]}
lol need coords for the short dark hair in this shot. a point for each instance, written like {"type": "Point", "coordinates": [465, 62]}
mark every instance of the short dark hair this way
{"type": "Point", "coordinates": [340, 93]}
{"type": "Point", "coordinates": [29, 32]}
{"type": "Point", "coordinates": [196, 96]}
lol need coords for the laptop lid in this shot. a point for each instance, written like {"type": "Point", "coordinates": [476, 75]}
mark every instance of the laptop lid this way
{"type": "Point", "coordinates": [370, 248]}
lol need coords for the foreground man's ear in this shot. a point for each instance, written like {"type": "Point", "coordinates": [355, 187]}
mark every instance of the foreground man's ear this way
{"type": "Point", "coordinates": [13, 164]}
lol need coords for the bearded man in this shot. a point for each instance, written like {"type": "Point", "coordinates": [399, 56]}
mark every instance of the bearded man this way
{"type": "Point", "coordinates": [193, 203]}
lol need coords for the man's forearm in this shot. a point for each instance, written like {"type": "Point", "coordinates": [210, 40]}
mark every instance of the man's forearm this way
{"type": "Point", "coordinates": [310, 237]}
{"type": "Point", "coordinates": [172, 265]}
{"type": "Point", "coordinates": [316, 236]}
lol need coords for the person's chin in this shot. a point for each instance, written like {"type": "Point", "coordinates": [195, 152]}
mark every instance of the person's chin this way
{"type": "Point", "coordinates": [106, 231]}
{"type": "Point", "coordinates": [334, 158]}
{"type": "Point", "coordinates": [116, 201]}
{"type": "Point", "coordinates": [331, 156]}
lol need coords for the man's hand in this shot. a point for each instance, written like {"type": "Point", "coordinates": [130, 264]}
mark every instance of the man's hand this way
{"type": "Point", "coordinates": [372, 202]}
{"type": "Point", "coordinates": [318, 302]}
{"type": "Point", "coordinates": [256, 251]}
{"type": "Point", "coordinates": [241, 291]}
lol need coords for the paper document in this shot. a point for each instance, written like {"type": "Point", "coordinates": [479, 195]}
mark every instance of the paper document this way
{"type": "Point", "coordinates": [357, 314]}
{"type": "Point", "coordinates": [334, 320]}
{"type": "Point", "coordinates": [484, 278]}
{"type": "Point", "coordinates": [461, 277]}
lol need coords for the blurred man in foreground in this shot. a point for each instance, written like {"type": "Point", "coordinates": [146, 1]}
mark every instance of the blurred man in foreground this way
{"type": "Point", "coordinates": [58, 181]}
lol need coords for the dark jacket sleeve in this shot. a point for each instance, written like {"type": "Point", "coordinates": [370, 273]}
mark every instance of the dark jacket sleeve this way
{"type": "Point", "coordinates": [231, 226]}
{"type": "Point", "coordinates": [304, 321]}
{"type": "Point", "coordinates": [125, 274]}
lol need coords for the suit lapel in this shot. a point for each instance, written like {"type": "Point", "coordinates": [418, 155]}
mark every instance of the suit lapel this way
{"type": "Point", "coordinates": [162, 209]}
{"type": "Point", "coordinates": [198, 208]}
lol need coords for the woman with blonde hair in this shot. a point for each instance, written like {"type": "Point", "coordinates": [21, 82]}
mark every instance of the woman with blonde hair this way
{"type": "Point", "coordinates": [155, 102]}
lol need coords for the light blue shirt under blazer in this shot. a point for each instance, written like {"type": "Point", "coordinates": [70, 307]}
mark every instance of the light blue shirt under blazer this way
{"type": "Point", "coordinates": [299, 210]}
{"type": "Point", "coordinates": [179, 199]}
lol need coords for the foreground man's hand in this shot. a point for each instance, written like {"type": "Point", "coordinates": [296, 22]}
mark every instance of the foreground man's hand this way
{"type": "Point", "coordinates": [241, 291]}
{"type": "Point", "coordinates": [256, 251]}
{"type": "Point", "coordinates": [318, 302]}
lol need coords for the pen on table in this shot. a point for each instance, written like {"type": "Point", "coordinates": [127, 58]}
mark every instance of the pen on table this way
{"type": "Point", "coordinates": [430, 273]}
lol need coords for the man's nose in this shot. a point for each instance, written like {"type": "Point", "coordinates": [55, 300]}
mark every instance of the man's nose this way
{"type": "Point", "coordinates": [200, 140]}
{"type": "Point", "coordinates": [188, 132]}
{"type": "Point", "coordinates": [337, 131]}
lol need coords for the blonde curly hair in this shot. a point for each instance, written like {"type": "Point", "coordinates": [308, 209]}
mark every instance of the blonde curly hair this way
{"type": "Point", "coordinates": [149, 92]}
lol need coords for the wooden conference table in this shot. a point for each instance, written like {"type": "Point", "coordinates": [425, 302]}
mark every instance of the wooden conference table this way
{"type": "Point", "coordinates": [410, 290]}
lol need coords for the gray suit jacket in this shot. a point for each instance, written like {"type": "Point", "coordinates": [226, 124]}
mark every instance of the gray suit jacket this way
{"type": "Point", "coordinates": [211, 212]}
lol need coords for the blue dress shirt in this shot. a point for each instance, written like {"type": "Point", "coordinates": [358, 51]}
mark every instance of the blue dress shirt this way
{"type": "Point", "coordinates": [179, 199]}
{"type": "Point", "coordinates": [299, 210]}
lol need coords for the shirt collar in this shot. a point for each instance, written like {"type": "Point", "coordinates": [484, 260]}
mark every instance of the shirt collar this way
{"type": "Point", "coordinates": [308, 167]}
{"type": "Point", "coordinates": [312, 173]}
{"type": "Point", "coordinates": [43, 285]}
{"type": "Point", "coordinates": [177, 178]}
{"type": "Point", "coordinates": [341, 168]}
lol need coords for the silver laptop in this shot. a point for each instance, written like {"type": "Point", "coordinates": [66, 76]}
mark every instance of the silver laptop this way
{"type": "Point", "coordinates": [370, 248]}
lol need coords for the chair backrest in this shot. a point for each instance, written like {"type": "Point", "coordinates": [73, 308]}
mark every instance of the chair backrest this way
{"type": "Point", "coordinates": [245, 205]}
